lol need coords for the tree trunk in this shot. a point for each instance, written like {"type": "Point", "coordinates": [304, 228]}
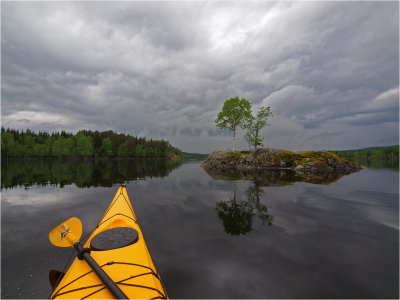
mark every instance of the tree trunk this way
{"type": "Point", "coordinates": [256, 139]}
{"type": "Point", "coordinates": [234, 139]}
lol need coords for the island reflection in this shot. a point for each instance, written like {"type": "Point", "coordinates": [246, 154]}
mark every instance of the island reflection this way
{"type": "Point", "coordinates": [237, 216]}
{"type": "Point", "coordinates": [278, 177]}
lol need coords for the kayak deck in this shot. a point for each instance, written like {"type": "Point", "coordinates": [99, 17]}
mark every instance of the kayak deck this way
{"type": "Point", "coordinates": [120, 250]}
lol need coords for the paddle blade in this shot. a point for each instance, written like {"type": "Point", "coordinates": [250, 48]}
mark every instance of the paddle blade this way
{"type": "Point", "coordinates": [67, 233]}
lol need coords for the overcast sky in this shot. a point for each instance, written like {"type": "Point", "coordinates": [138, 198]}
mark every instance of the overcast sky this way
{"type": "Point", "coordinates": [329, 70]}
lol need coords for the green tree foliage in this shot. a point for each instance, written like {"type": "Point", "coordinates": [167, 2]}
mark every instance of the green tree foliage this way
{"type": "Point", "coordinates": [84, 144]}
{"type": "Point", "coordinates": [235, 113]}
{"type": "Point", "coordinates": [194, 156]}
{"type": "Point", "coordinates": [389, 152]}
{"type": "Point", "coordinates": [123, 150]}
{"type": "Point", "coordinates": [8, 144]}
{"type": "Point", "coordinates": [254, 126]}
{"type": "Point", "coordinates": [62, 147]}
{"type": "Point", "coordinates": [107, 147]}
{"type": "Point", "coordinates": [140, 151]}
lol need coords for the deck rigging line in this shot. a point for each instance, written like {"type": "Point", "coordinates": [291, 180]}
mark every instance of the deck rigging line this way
{"type": "Point", "coordinates": [121, 282]}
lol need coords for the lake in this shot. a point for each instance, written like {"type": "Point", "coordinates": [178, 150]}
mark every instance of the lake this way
{"type": "Point", "coordinates": [213, 236]}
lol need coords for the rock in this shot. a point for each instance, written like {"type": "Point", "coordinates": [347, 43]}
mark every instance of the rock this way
{"type": "Point", "coordinates": [276, 159]}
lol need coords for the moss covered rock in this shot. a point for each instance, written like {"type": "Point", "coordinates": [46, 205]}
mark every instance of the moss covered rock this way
{"type": "Point", "coordinates": [276, 159]}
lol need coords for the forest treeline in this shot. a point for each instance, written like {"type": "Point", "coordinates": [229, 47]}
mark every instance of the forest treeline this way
{"type": "Point", "coordinates": [193, 156]}
{"type": "Point", "coordinates": [83, 144]}
{"type": "Point", "coordinates": [389, 152]}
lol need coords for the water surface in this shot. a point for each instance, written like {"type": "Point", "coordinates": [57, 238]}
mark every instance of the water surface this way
{"type": "Point", "coordinates": [218, 237]}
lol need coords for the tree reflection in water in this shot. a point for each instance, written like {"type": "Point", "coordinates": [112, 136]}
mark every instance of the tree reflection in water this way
{"type": "Point", "coordinates": [237, 217]}
{"type": "Point", "coordinates": [101, 172]}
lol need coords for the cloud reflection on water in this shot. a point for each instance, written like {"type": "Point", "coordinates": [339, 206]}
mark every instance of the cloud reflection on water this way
{"type": "Point", "coordinates": [325, 241]}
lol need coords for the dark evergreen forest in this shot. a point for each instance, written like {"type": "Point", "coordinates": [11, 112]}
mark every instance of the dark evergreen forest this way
{"type": "Point", "coordinates": [83, 144]}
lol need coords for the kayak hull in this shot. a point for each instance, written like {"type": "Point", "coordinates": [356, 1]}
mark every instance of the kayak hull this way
{"type": "Point", "coordinates": [130, 266]}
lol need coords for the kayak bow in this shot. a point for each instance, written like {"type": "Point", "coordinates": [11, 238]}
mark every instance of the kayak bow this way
{"type": "Point", "coordinates": [118, 247]}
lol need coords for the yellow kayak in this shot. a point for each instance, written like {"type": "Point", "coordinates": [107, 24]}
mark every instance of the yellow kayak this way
{"type": "Point", "coordinates": [118, 247]}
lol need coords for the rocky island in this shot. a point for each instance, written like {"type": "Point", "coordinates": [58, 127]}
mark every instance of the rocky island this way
{"type": "Point", "coordinates": [245, 162]}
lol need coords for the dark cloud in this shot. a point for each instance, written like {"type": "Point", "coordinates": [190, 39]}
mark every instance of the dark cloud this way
{"type": "Point", "coordinates": [163, 69]}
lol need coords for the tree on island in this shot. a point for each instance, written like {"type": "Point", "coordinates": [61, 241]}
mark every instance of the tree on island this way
{"type": "Point", "coordinates": [235, 113]}
{"type": "Point", "coordinates": [255, 124]}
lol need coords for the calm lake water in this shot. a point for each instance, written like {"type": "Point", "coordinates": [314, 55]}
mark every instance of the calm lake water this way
{"type": "Point", "coordinates": [213, 236]}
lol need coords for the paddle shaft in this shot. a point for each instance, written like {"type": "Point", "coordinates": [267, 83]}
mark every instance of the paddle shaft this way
{"type": "Point", "coordinates": [108, 282]}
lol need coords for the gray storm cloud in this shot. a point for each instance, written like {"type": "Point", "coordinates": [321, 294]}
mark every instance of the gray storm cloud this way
{"type": "Point", "coordinates": [329, 70]}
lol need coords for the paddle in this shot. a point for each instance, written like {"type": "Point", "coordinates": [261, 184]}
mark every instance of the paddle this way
{"type": "Point", "coordinates": [67, 234]}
